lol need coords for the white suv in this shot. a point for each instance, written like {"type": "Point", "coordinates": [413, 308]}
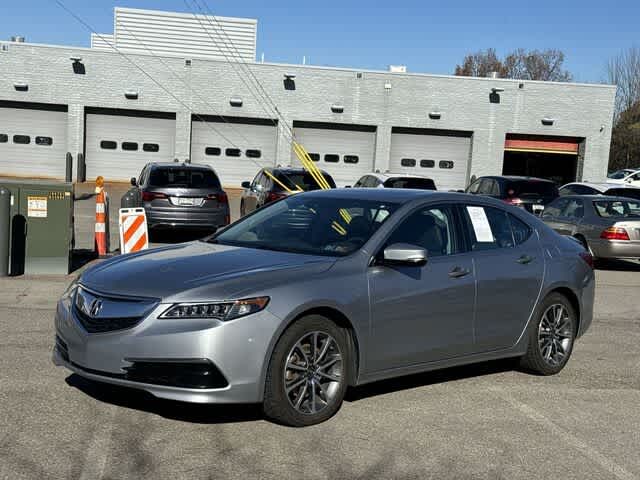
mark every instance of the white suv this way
{"type": "Point", "coordinates": [395, 180]}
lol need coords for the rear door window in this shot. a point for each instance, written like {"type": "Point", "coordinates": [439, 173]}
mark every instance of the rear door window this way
{"type": "Point", "coordinates": [180, 177]}
{"type": "Point", "coordinates": [555, 209]}
{"type": "Point", "coordinates": [489, 228]}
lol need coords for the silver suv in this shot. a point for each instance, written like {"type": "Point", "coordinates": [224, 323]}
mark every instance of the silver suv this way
{"type": "Point", "coordinates": [180, 195]}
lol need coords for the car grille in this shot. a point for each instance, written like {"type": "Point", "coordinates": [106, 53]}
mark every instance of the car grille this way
{"type": "Point", "coordinates": [102, 325]}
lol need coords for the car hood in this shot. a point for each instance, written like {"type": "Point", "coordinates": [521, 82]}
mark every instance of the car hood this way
{"type": "Point", "coordinates": [191, 267]}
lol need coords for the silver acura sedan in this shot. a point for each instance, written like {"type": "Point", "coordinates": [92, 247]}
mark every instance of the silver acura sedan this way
{"type": "Point", "coordinates": [324, 290]}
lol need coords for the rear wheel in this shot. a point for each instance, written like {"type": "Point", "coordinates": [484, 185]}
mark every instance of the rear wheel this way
{"type": "Point", "coordinates": [551, 336]}
{"type": "Point", "coordinates": [307, 377]}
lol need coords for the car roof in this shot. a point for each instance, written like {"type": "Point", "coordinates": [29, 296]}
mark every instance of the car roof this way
{"type": "Point", "coordinates": [516, 178]}
{"type": "Point", "coordinates": [596, 197]}
{"type": "Point", "coordinates": [401, 195]}
{"type": "Point", "coordinates": [388, 175]}
{"type": "Point", "coordinates": [289, 170]}
{"type": "Point", "coordinates": [602, 186]}
{"type": "Point", "coordinates": [180, 164]}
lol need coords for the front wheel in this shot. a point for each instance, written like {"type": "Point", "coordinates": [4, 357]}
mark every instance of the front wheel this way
{"type": "Point", "coordinates": [307, 376]}
{"type": "Point", "coordinates": [551, 336]}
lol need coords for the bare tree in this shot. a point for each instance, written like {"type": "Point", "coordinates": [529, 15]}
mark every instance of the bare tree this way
{"type": "Point", "coordinates": [519, 64]}
{"type": "Point", "coordinates": [623, 70]}
{"type": "Point", "coordinates": [536, 65]}
{"type": "Point", "coordinates": [480, 64]}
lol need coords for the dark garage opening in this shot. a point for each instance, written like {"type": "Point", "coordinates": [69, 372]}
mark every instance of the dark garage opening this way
{"type": "Point", "coordinates": [554, 158]}
{"type": "Point", "coordinates": [559, 168]}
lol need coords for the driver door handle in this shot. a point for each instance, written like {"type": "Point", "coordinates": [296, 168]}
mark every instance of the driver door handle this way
{"type": "Point", "coordinates": [459, 272]}
{"type": "Point", "coordinates": [524, 259]}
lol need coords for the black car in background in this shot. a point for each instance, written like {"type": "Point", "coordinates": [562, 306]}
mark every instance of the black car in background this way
{"type": "Point", "coordinates": [529, 193]}
{"type": "Point", "coordinates": [269, 185]}
{"type": "Point", "coordinates": [181, 195]}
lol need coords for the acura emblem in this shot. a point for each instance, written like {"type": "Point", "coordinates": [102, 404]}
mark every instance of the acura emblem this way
{"type": "Point", "coordinates": [95, 307]}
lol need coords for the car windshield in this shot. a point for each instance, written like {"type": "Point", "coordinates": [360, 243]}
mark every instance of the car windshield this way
{"type": "Point", "coordinates": [410, 182]}
{"type": "Point", "coordinates": [310, 225]}
{"type": "Point", "coordinates": [522, 188]}
{"type": "Point", "coordinates": [617, 208]}
{"type": "Point", "coordinates": [304, 180]}
{"type": "Point", "coordinates": [619, 174]}
{"type": "Point", "coordinates": [181, 177]}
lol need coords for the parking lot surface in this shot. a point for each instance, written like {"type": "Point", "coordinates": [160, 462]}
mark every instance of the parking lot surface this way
{"type": "Point", "coordinates": [483, 421]}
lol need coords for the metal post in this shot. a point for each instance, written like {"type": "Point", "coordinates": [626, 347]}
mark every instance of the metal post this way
{"type": "Point", "coordinates": [69, 168]}
{"type": "Point", "coordinates": [82, 169]}
{"type": "Point", "coordinates": [5, 228]}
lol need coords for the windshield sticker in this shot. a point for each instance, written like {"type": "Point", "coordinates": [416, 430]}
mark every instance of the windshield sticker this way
{"type": "Point", "coordinates": [480, 224]}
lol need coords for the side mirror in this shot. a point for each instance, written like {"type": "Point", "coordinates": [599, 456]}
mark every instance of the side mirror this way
{"type": "Point", "coordinates": [404, 254]}
{"type": "Point", "coordinates": [246, 184]}
{"type": "Point", "coordinates": [134, 182]}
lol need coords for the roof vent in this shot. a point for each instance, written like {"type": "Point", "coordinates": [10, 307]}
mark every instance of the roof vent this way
{"type": "Point", "coordinates": [548, 121]}
{"type": "Point", "coordinates": [131, 95]}
{"type": "Point", "coordinates": [235, 101]}
{"type": "Point", "coordinates": [17, 39]}
{"type": "Point", "coordinates": [336, 108]}
{"type": "Point", "coordinates": [21, 86]}
{"type": "Point", "coordinates": [435, 115]}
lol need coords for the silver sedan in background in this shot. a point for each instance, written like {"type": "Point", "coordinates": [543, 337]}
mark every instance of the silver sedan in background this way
{"type": "Point", "coordinates": [609, 227]}
{"type": "Point", "coordinates": [324, 290]}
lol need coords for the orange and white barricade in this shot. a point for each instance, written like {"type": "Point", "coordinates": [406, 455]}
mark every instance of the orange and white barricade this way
{"type": "Point", "coordinates": [101, 229]}
{"type": "Point", "coordinates": [134, 236]}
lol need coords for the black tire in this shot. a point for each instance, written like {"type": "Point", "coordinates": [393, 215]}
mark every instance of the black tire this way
{"type": "Point", "coordinates": [277, 405]}
{"type": "Point", "coordinates": [543, 361]}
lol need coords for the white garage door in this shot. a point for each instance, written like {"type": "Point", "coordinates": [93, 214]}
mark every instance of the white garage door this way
{"type": "Point", "coordinates": [33, 143]}
{"type": "Point", "coordinates": [442, 156]}
{"type": "Point", "coordinates": [236, 151]}
{"type": "Point", "coordinates": [118, 146]}
{"type": "Point", "coordinates": [345, 154]}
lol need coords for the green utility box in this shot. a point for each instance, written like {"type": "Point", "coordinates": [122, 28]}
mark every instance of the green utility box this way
{"type": "Point", "coordinates": [41, 226]}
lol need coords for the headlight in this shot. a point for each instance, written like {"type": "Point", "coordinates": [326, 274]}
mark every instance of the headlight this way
{"type": "Point", "coordinates": [71, 289]}
{"type": "Point", "coordinates": [220, 310]}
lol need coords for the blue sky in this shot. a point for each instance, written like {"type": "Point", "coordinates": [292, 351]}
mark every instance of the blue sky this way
{"type": "Point", "coordinates": [426, 36]}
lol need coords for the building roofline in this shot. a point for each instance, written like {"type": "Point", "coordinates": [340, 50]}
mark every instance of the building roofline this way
{"type": "Point", "coordinates": [164, 13]}
{"type": "Point", "coordinates": [315, 67]}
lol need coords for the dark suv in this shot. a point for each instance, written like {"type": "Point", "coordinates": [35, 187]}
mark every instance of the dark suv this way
{"type": "Point", "coordinates": [180, 195]}
{"type": "Point", "coordinates": [529, 193]}
{"type": "Point", "coordinates": [264, 189]}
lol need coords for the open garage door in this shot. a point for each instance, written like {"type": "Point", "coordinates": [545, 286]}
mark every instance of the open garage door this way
{"type": "Point", "coordinates": [33, 140]}
{"type": "Point", "coordinates": [235, 147]}
{"type": "Point", "coordinates": [118, 143]}
{"type": "Point", "coordinates": [345, 151]}
{"type": "Point", "coordinates": [555, 158]}
{"type": "Point", "coordinates": [442, 155]}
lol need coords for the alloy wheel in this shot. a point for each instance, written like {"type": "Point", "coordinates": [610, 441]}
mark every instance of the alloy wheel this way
{"type": "Point", "coordinates": [555, 334]}
{"type": "Point", "coordinates": [313, 373]}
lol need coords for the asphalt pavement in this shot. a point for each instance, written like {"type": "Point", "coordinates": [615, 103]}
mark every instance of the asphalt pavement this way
{"type": "Point", "coordinates": [486, 421]}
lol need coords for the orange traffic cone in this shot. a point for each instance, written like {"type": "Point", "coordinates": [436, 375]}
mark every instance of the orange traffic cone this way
{"type": "Point", "coordinates": [101, 229]}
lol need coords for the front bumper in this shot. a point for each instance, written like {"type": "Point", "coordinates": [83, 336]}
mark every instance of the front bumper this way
{"type": "Point", "coordinates": [238, 350]}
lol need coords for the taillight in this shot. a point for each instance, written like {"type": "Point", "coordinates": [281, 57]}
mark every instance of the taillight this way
{"type": "Point", "coordinates": [513, 201]}
{"type": "Point", "coordinates": [149, 196]}
{"type": "Point", "coordinates": [220, 197]}
{"type": "Point", "coordinates": [614, 233]}
{"type": "Point", "coordinates": [273, 196]}
{"type": "Point", "coordinates": [588, 258]}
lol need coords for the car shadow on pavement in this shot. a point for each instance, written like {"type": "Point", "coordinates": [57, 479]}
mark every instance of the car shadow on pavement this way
{"type": "Point", "coordinates": [434, 377]}
{"type": "Point", "coordinates": [618, 265]}
{"type": "Point", "coordinates": [185, 412]}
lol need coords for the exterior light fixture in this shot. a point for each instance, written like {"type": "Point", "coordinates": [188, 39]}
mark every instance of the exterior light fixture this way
{"type": "Point", "coordinates": [548, 121]}
{"type": "Point", "coordinates": [21, 86]}
{"type": "Point", "coordinates": [290, 76]}
{"type": "Point", "coordinates": [497, 89]}
{"type": "Point", "coordinates": [75, 59]}
{"type": "Point", "coordinates": [335, 108]}
{"type": "Point", "coordinates": [435, 115]}
{"type": "Point", "coordinates": [131, 95]}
